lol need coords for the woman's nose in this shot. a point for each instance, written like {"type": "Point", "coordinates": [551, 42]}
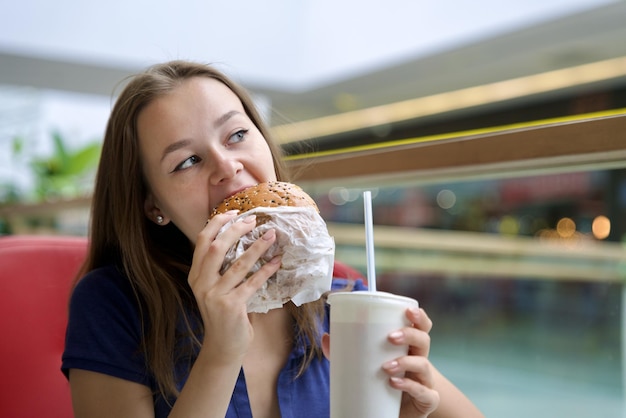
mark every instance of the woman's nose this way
{"type": "Point", "coordinates": [225, 167]}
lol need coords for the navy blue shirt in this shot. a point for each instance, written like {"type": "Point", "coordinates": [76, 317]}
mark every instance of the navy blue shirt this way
{"type": "Point", "coordinates": [104, 335]}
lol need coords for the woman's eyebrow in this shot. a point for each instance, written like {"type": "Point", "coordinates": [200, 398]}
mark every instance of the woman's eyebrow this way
{"type": "Point", "coordinates": [225, 117]}
{"type": "Point", "coordinates": [174, 147]}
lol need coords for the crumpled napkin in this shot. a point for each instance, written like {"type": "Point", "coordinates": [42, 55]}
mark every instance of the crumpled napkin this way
{"type": "Point", "coordinates": [308, 256]}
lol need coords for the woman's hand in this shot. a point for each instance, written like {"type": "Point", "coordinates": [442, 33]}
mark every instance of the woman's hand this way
{"type": "Point", "coordinates": [222, 298]}
{"type": "Point", "coordinates": [426, 392]}
{"type": "Point", "coordinates": [420, 398]}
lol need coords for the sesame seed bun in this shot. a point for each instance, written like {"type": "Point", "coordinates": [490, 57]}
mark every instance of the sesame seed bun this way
{"type": "Point", "coordinates": [268, 194]}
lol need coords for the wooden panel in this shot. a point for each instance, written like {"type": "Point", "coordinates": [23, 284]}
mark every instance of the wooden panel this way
{"type": "Point", "coordinates": [599, 140]}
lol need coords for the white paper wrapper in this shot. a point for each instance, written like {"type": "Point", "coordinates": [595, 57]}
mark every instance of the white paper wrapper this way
{"type": "Point", "coordinates": [308, 254]}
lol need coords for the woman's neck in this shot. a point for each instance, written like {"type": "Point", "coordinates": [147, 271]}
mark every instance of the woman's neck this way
{"type": "Point", "coordinates": [273, 326]}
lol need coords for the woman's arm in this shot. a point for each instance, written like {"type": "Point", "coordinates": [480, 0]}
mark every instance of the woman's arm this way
{"type": "Point", "coordinates": [208, 389]}
{"type": "Point", "coordinates": [207, 393]}
{"type": "Point", "coordinates": [453, 403]}
{"type": "Point", "coordinates": [97, 395]}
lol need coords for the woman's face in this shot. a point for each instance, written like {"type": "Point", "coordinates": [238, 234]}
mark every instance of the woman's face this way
{"type": "Point", "coordinates": [198, 147]}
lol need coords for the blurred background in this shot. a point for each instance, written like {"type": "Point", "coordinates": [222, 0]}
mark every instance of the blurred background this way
{"type": "Point", "coordinates": [492, 135]}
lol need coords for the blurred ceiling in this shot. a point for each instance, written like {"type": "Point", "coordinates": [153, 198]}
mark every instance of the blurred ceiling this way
{"type": "Point", "coordinates": [570, 41]}
{"type": "Point", "coordinates": [587, 36]}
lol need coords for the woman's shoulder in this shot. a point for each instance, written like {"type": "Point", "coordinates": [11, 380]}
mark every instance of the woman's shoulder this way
{"type": "Point", "coordinates": [104, 286]}
{"type": "Point", "coordinates": [104, 327]}
{"type": "Point", "coordinates": [104, 307]}
{"type": "Point", "coordinates": [104, 278]}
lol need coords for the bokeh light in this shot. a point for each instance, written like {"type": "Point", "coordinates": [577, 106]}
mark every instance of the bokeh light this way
{"type": "Point", "coordinates": [601, 227]}
{"type": "Point", "coordinates": [509, 225]}
{"type": "Point", "coordinates": [338, 196]}
{"type": "Point", "coordinates": [446, 199]}
{"type": "Point", "coordinates": [341, 195]}
{"type": "Point", "coordinates": [566, 228]}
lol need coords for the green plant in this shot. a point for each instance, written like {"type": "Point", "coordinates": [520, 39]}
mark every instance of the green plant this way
{"type": "Point", "coordinates": [65, 173]}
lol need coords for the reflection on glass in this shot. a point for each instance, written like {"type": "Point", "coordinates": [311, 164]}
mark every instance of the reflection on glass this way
{"type": "Point", "coordinates": [523, 280]}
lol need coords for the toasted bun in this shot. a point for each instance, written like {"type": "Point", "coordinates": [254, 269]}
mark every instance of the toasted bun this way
{"type": "Point", "coordinates": [269, 194]}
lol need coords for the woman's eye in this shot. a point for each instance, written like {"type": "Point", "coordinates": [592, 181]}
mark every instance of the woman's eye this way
{"type": "Point", "coordinates": [238, 136]}
{"type": "Point", "coordinates": [194, 159]}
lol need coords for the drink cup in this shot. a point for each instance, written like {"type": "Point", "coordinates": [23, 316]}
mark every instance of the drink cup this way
{"type": "Point", "coordinates": [359, 325]}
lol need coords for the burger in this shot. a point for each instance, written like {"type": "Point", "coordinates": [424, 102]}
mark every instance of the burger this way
{"type": "Point", "coordinates": [302, 239]}
{"type": "Point", "coordinates": [271, 194]}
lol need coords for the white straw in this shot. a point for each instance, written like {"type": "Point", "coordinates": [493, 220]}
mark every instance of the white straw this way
{"type": "Point", "coordinates": [369, 241]}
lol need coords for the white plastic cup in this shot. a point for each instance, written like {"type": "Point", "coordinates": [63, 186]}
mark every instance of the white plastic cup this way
{"type": "Point", "coordinates": [360, 323]}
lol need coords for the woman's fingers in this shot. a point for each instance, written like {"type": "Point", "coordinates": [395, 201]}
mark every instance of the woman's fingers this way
{"type": "Point", "coordinates": [420, 319]}
{"type": "Point", "coordinates": [206, 245]}
{"type": "Point", "coordinates": [224, 241]}
{"type": "Point", "coordinates": [213, 226]}
{"type": "Point", "coordinates": [414, 376]}
{"type": "Point", "coordinates": [413, 373]}
{"type": "Point", "coordinates": [416, 368]}
{"type": "Point", "coordinates": [416, 337]}
{"type": "Point", "coordinates": [240, 269]}
{"type": "Point", "coordinates": [211, 247]}
{"type": "Point", "coordinates": [256, 280]}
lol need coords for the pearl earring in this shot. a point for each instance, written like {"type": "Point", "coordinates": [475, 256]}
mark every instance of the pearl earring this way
{"type": "Point", "coordinates": [159, 219]}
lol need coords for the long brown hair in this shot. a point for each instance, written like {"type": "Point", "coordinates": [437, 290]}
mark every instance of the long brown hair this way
{"type": "Point", "coordinates": [157, 259]}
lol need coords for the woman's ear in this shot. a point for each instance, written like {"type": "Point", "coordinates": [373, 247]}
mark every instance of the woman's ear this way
{"type": "Point", "coordinates": [152, 211]}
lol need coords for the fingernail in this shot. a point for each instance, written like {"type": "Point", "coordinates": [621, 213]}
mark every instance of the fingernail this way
{"type": "Point", "coordinates": [269, 235]}
{"type": "Point", "coordinates": [396, 380]}
{"type": "Point", "coordinates": [249, 219]}
{"type": "Point", "coordinates": [396, 335]}
{"type": "Point", "coordinates": [276, 260]}
{"type": "Point", "coordinates": [415, 311]}
{"type": "Point", "coordinates": [390, 365]}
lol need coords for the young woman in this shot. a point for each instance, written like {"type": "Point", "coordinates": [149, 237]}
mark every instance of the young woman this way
{"type": "Point", "coordinates": [155, 330]}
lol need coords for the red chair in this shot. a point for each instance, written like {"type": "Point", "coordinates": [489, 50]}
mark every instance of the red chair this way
{"type": "Point", "coordinates": [36, 275]}
{"type": "Point", "coordinates": [345, 271]}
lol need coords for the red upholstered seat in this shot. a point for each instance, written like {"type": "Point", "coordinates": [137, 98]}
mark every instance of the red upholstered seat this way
{"type": "Point", "coordinates": [36, 275]}
{"type": "Point", "coordinates": [345, 271]}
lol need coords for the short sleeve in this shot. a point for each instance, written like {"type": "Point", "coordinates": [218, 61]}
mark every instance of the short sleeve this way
{"type": "Point", "coordinates": [104, 328]}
